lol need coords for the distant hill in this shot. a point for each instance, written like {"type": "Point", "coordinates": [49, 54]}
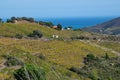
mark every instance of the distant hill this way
{"type": "Point", "coordinates": [111, 27]}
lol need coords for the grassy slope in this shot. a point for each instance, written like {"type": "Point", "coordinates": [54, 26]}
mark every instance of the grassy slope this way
{"type": "Point", "coordinates": [62, 54]}
{"type": "Point", "coordinates": [9, 29]}
{"type": "Point", "coordinates": [111, 45]}
{"type": "Point", "coordinates": [65, 54]}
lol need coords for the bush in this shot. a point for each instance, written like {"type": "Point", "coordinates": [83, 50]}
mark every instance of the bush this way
{"type": "Point", "coordinates": [90, 57]}
{"type": "Point", "coordinates": [12, 61]}
{"type": "Point", "coordinates": [36, 33]}
{"type": "Point", "coordinates": [106, 56]}
{"type": "Point", "coordinates": [19, 36]}
{"type": "Point", "coordinates": [80, 37]}
{"type": "Point", "coordinates": [74, 69]}
{"type": "Point", "coordinates": [49, 24]}
{"type": "Point", "coordinates": [100, 68]}
{"type": "Point", "coordinates": [12, 19]}
{"type": "Point", "coordinates": [41, 56]}
{"type": "Point", "coordinates": [30, 72]}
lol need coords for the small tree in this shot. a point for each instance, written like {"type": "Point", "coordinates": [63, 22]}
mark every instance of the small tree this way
{"type": "Point", "coordinates": [8, 21]}
{"type": "Point", "coordinates": [59, 27]}
{"type": "Point", "coordinates": [0, 20]}
{"type": "Point", "coordinates": [50, 24]}
{"type": "Point", "coordinates": [13, 18]}
{"type": "Point", "coordinates": [31, 19]}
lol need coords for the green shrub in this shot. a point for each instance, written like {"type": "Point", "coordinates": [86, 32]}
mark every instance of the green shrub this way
{"type": "Point", "coordinates": [49, 24]}
{"type": "Point", "coordinates": [106, 56]}
{"type": "Point", "coordinates": [36, 34]}
{"type": "Point", "coordinates": [59, 27]}
{"type": "Point", "coordinates": [89, 57]}
{"type": "Point", "coordinates": [80, 37]}
{"type": "Point", "coordinates": [12, 61]}
{"type": "Point", "coordinates": [19, 36]}
{"type": "Point", "coordinates": [100, 68]}
{"type": "Point", "coordinates": [41, 56]}
{"type": "Point", "coordinates": [30, 72]}
{"type": "Point", "coordinates": [74, 69]}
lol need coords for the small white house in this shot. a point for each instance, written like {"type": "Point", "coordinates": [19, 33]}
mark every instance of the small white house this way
{"type": "Point", "coordinates": [55, 36]}
{"type": "Point", "coordinates": [68, 28]}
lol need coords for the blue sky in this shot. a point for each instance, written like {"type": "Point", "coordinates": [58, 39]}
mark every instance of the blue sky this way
{"type": "Point", "coordinates": [59, 8]}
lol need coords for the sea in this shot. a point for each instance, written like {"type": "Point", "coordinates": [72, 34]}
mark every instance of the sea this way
{"type": "Point", "coordinates": [75, 23]}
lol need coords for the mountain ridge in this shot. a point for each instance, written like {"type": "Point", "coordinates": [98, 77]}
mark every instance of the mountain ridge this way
{"type": "Point", "coordinates": [111, 27]}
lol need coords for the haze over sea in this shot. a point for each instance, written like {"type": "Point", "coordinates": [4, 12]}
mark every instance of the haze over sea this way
{"type": "Point", "coordinates": [76, 23]}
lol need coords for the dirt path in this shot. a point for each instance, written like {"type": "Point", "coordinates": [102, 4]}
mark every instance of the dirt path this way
{"type": "Point", "coordinates": [103, 48]}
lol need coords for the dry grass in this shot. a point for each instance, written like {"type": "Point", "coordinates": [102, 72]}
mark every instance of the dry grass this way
{"type": "Point", "coordinates": [62, 54]}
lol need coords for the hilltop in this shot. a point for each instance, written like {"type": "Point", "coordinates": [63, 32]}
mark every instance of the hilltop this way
{"type": "Point", "coordinates": [110, 27]}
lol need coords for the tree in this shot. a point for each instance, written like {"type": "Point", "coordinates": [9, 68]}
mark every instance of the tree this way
{"type": "Point", "coordinates": [24, 18]}
{"type": "Point", "coordinates": [0, 20]}
{"type": "Point", "coordinates": [59, 27]}
{"type": "Point", "coordinates": [70, 27]}
{"type": "Point", "coordinates": [8, 21]}
{"type": "Point", "coordinates": [50, 24]}
{"type": "Point", "coordinates": [13, 18]}
{"type": "Point", "coordinates": [31, 19]}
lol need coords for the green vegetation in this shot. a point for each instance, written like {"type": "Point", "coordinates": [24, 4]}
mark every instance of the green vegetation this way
{"type": "Point", "coordinates": [99, 68]}
{"type": "Point", "coordinates": [111, 45]}
{"type": "Point", "coordinates": [11, 61]}
{"type": "Point", "coordinates": [0, 20]}
{"type": "Point", "coordinates": [111, 27]}
{"type": "Point", "coordinates": [66, 58]}
{"type": "Point", "coordinates": [19, 36]}
{"type": "Point", "coordinates": [30, 72]}
{"type": "Point", "coordinates": [36, 34]}
{"type": "Point", "coordinates": [49, 24]}
{"type": "Point", "coordinates": [12, 19]}
{"type": "Point", "coordinates": [59, 27]}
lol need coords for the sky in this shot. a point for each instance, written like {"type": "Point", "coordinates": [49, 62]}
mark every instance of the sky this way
{"type": "Point", "coordinates": [59, 8]}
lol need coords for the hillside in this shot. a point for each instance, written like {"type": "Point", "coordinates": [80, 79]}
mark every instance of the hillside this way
{"type": "Point", "coordinates": [54, 56]}
{"type": "Point", "coordinates": [110, 27]}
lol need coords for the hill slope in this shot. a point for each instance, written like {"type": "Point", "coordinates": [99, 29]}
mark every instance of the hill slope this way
{"type": "Point", "coordinates": [56, 56]}
{"type": "Point", "coordinates": [110, 27]}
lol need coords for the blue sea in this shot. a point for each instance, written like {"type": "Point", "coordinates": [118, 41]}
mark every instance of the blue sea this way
{"type": "Point", "coordinates": [75, 23]}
